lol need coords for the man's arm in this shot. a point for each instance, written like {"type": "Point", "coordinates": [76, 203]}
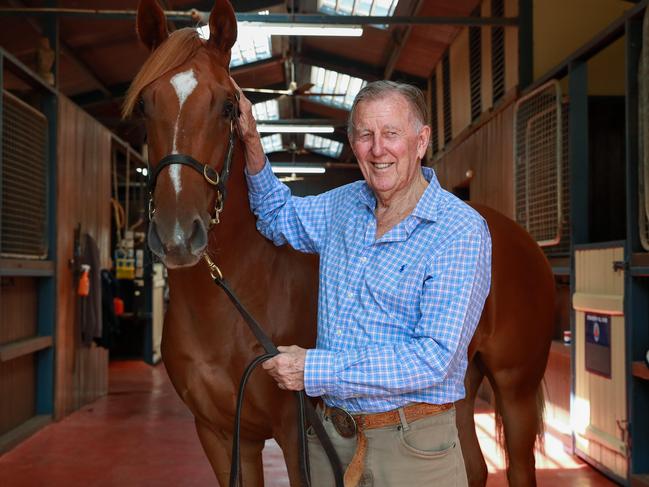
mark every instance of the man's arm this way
{"type": "Point", "coordinates": [300, 222]}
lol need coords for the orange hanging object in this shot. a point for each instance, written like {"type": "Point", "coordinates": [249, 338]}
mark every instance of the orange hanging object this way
{"type": "Point", "coordinates": [84, 281]}
{"type": "Point", "coordinates": [118, 306]}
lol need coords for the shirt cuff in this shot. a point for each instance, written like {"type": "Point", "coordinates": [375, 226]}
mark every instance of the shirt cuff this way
{"type": "Point", "coordinates": [263, 181]}
{"type": "Point", "coordinates": [320, 369]}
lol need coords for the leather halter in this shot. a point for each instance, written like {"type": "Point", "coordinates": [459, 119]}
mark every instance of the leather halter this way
{"type": "Point", "coordinates": [209, 173]}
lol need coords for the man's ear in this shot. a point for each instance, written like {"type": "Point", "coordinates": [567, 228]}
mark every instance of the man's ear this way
{"type": "Point", "coordinates": [151, 24]}
{"type": "Point", "coordinates": [423, 141]}
{"type": "Point", "coordinates": [223, 26]}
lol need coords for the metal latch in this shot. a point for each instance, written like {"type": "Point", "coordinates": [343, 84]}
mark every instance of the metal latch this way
{"type": "Point", "coordinates": [620, 265]}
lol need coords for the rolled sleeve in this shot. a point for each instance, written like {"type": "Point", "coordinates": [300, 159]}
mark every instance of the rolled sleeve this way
{"type": "Point", "coordinates": [261, 183]}
{"type": "Point", "coordinates": [320, 372]}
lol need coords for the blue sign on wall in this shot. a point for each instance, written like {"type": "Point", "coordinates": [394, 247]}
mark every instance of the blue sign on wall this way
{"type": "Point", "coordinates": [598, 344]}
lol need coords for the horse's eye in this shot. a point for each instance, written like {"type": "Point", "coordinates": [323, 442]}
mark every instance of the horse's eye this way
{"type": "Point", "coordinates": [228, 108]}
{"type": "Point", "coordinates": [139, 107]}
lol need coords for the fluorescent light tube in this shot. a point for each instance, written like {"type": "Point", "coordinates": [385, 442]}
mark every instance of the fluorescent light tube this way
{"type": "Point", "coordinates": [280, 29]}
{"type": "Point", "coordinates": [298, 170]}
{"type": "Point", "coordinates": [279, 128]}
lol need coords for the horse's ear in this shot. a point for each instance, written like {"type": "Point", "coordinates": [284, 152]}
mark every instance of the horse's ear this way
{"type": "Point", "coordinates": [151, 24]}
{"type": "Point", "coordinates": [223, 26]}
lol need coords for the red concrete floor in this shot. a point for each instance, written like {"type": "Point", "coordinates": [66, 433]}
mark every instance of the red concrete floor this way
{"type": "Point", "coordinates": [142, 435]}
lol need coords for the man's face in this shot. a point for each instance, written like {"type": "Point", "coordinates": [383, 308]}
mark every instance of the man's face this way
{"type": "Point", "coordinates": [386, 143]}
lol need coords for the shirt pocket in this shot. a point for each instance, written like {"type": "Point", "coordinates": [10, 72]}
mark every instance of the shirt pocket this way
{"type": "Point", "coordinates": [392, 288]}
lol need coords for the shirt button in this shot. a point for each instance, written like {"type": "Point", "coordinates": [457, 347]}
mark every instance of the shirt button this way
{"type": "Point", "coordinates": [363, 259]}
{"type": "Point", "coordinates": [339, 332]}
{"type": "Point", "coordinates": [350, 294]}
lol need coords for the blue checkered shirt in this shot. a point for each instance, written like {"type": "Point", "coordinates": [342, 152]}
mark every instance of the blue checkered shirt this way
{"type": "Point", "coordinates": [395, 314]}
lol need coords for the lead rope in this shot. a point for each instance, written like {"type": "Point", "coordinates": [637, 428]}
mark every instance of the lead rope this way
{"type": "Point", "coordinates": [305, 408]}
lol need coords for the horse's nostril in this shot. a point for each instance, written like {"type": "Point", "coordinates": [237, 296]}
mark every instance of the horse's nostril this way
{"type": "Point", "coordinates": [155, 244]}
{"type": "Point", "coordinates": [198, 238]}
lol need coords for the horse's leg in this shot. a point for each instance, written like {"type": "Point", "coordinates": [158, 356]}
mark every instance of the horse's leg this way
{"type": "Point", "coordinates": [218, 451]}
{"type": "Point", "coordinates": [476, 467]}
{"type": "Point", "coordinates": [521, 412]}
{"type": "Point", "coordinates": [287, 438]}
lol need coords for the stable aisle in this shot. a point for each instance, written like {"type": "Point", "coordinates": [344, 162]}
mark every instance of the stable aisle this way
{"type": "Point", "coordinates": [141, 435]}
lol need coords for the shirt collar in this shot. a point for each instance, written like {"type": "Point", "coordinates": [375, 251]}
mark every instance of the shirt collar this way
{"type": "Point", "coordinates": [426, 208]}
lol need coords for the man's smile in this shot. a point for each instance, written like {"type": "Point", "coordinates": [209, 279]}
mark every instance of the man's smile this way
{"type": "Point", "coordinates": [382, 165]}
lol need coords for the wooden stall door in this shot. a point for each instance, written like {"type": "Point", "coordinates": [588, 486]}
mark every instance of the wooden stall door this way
{"type": "Point", "coordinates": [599, 407]}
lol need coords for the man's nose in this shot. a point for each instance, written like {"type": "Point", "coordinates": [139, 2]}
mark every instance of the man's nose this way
{"type": "Point", "coordinates": [377, 145]}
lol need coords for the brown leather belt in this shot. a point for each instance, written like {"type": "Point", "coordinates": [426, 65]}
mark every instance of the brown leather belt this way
{"type": "Point", "coordinates": [349, 425]}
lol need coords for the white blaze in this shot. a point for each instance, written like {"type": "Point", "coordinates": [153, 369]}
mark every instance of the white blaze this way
{"type": "Point", "coordinates": [184, 83]}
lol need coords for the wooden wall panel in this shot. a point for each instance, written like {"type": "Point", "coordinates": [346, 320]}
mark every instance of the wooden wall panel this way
{"type": "Point", "coordinates": [18, 298]}
{"type": "Point", "coordinates": [83, 197]}
{"type": "Point", "coordinates": [18, 320]}
{"type": "Point", "coordinates": [486, 85]}
{"type": "Point", "coordinates": [488, 152]}
{"type": "Point", "coordinates": [440, 105]}
{"type": "Point", "coordinates": [460, 83]}
{"type": "Point", "coordinates": [17, 392]}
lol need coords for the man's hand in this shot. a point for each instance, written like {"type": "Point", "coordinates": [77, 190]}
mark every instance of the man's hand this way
{"type": "Point", "coordinates": [287, 368]}
{"type": "Point", "coordinates": [255, 157]}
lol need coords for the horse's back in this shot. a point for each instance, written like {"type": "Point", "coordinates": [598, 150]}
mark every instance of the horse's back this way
{"type": "Point", "coordinates": [519, 313]}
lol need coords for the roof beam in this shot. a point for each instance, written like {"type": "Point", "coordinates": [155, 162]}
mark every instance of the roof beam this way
{"type": "Point", "coordinates": [398, 42]}
{"type": "Point", "coordinates": [68, 53]}
{"type": "Point", "coordinates": [307, 19]}
{"type": "Point", "coordinates": [239, 5]}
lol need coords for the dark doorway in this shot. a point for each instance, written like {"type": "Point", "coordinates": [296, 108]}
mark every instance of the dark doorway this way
{"type": "Point", "coordinates": [463, 190]}
{"type": "Point", "coordinates": [607, 190]}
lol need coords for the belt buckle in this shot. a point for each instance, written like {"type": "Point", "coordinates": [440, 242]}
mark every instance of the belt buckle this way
{"type": "Point", "coordinates": [344, 422]}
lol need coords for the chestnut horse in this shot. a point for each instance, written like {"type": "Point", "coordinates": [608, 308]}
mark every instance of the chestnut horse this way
{"type": "Point", "coordinates": [186, 96]}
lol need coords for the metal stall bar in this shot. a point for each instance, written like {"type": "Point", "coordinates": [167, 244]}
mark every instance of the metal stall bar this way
{"type": "Point", "coordinates": [578, 160]}
{"type": "Point", "coordinates": [637, 288]}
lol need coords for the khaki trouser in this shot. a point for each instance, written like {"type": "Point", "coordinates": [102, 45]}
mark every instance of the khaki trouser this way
{"type": "Point", "coordinates": [423, 453]}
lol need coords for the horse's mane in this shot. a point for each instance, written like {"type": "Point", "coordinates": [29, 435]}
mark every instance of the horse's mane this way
{"type": "Point", "coordinates": [176, 50]}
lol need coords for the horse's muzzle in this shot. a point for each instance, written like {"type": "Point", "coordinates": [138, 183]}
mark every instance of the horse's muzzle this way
{"type": "Point", "coordinates": [178, 247]}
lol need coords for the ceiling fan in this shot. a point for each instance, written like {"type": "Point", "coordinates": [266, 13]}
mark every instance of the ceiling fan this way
{"type": "Point", "coordinates": [293, 149]}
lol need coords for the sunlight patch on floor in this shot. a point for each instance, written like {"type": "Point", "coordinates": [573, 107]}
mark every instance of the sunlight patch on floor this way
{"type": "Point", "coordinates": [553, 457]}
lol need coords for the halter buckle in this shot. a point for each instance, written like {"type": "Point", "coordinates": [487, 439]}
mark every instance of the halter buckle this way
{"type": "Point", "coordinates": [151, 208]}
{"type": "Point", "coordinates": [215, 272]}
{"type": "Point", "coordinates": [209, 179]}
{"type": "Point", "coordinates": [218, 208]}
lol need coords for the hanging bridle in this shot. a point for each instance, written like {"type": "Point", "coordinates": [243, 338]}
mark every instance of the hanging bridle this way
{"type": "Point", "coordinates": [209, 173]}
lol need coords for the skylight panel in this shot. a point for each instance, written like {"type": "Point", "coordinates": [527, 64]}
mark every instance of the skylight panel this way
{"type": "Point", "coordinates": [322, 145]}
{"type": "Point", "coordinates": [378, 8]}
{"type": "Point", "coordinates": [272, 143]}
{"type": "Point", "coordinates": [266, 110]}
{"type": "Point", "coordinates": [383, 8]}
{"type": "Point", "coordinates": [326, 81]}
{"type": "Point", "coordinates": [251, 45]}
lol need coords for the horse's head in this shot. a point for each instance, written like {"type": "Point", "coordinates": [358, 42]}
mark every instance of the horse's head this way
{"type": "Point", "coordinates": [189, 106]}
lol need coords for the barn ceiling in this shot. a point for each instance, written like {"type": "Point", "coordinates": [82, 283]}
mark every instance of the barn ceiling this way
{"type": "Point", "coordinates": [100, 55]}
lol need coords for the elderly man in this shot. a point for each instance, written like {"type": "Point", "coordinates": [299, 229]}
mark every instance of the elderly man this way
{"type": "Point", "coordinates": [404, 273]}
